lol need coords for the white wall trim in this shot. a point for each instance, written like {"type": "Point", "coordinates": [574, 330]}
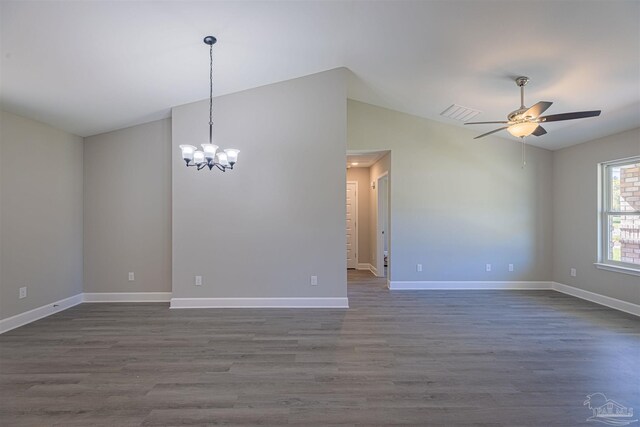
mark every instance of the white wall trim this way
{"type": "Point", "coordinates": [614, 303]}
{"type": "Point", "coordinates": [466, 285]}
{"type": "Point", "coordinates": [127, 297]}
{"type": "Point", "coordinates": [356, 221]}
{"type": "Point", "coordinates": [374, 271]}
{"type": "Point", "coordinates": [364, 266]}
{"type": "Point", "coordinates": [259, 303]}
{"type": "Point", "coordinates": [55, 307]}
{"type": "Point", "coordinates": [38, 313]}
{"type": "Point", "coordinates": [379, 239]}
{"type": "Point", "coordinates": [617, 268]}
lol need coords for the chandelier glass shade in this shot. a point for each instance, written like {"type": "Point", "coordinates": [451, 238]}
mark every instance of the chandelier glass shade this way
{"type": "Point", "coordinates": [210, 156]}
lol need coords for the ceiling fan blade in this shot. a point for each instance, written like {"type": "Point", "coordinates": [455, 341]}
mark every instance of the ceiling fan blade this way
{"type": "Point", "coordinates": [484, 123]}
{"type": "Point", "coordinates": [489, 133]}
{"type": "Point", "coordinates": [539, 131]}
{"type": "Point", "coordinates": [569, 116]}
{"type": "Point", "coordinates": [537, 109]}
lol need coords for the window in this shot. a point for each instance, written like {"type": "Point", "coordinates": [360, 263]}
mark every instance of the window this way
{"type": "Point", "coordinates": [620, 215]}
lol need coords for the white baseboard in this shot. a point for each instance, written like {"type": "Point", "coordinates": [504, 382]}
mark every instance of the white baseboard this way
{"type": "Point", "coordinates": [38, 313]}
{"type": "Point", "coordinates": [373, 270]}
{"type": "Point", "coordinates": [127, 297]}
{"type": "Point", "coordinates": [466, 285]}
{"type": "Point", "coordinates": [614, 303]}
{"type": "Point", "coordinates": [55, 307]}
{"type": "Point", "coordinates": [617, 304]}
{"type": "Point", "coordinates": [259, 303]}
{"type": "Point", "coordinates": [367, 267]}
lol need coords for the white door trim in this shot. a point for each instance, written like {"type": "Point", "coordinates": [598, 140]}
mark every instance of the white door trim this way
{"type": "Point", "coordinates": [355, 227]}
{"type": "Point", "coordinates": [379, 267]}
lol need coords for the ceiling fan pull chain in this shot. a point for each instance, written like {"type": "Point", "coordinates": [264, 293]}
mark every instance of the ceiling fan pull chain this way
{"type": "Point", "coordinates": [524, 160]}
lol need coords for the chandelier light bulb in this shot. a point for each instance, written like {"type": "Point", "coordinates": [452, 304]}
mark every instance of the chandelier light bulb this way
{"type": "Point", "coordinates": [232, 155]}
{"type": "Point", "coordinates": [187, 152]}
{"type": "Point", "coordinates": [222, 159]}
{"type": "Point", "coordinates": [209, 151]}
{"type": "Point", "coordinates": [198, 157]}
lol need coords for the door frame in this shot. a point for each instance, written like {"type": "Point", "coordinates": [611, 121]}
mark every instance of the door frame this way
{"type": "Point", "coordinates": [355, 222]}
{"type": "Point", "coordinates": [379, 239]}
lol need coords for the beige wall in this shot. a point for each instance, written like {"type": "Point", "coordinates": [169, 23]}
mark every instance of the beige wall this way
{"type": "Point", "coordinates": [575, 242]}
{"type": "Point", "coordinates": [127, 209]}
{"type": "Point", "coordinates": [265, 228]}
{"type": "Point", "coordinates": [40, 214]}
{"type": "Point", "coordinates": [361, 176]}
{"type": "Point", "coordinates": [458, 204]}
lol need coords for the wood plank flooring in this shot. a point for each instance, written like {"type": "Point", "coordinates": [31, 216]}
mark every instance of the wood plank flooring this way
{"type": "Point", "coordinates": [437, 358]}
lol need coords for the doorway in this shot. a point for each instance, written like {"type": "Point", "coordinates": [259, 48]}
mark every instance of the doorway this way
{"type": "Point", "coordinates": [368, 213]}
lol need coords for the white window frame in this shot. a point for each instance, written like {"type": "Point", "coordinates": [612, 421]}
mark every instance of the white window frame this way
{"type": "Point", "coordinates": [604, 212]}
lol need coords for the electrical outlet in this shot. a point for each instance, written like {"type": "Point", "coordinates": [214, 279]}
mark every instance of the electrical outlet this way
{"type": "Point", "coordinates": [23, 292]}
{"type": "Point", "coordinates": [510, 267]}
{"type": "Point", "coordinates": [488, 267]}
{"type": "Point", "coordinates": [573, 272]}
{"type": "Point", "coordinates": [131, 276]}
{"type": "Point", "coordinates": [419, 267]}
{"type": "Point", "coordinates": [198, 281]}
{"type": "Point", "coordinates": [314, 280]}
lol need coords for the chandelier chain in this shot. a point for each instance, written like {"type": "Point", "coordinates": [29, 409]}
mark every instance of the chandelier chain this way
{"type": "Point", "coordinates": [210, 94]}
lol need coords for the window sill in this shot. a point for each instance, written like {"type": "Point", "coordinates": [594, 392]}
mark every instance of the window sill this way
{"type": "Point", "coordinates": [617, 268]}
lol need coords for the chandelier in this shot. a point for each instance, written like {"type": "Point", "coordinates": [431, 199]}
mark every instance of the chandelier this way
{"type": "Point", "coordinates": [209, 156]}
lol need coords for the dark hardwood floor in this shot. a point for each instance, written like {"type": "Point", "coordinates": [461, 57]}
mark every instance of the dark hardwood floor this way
{"type": "Point", "coordinates": [494, 358]}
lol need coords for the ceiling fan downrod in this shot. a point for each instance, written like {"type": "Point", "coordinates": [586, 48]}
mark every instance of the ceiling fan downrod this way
{"type": "Point", "coordinates": [522, 82]}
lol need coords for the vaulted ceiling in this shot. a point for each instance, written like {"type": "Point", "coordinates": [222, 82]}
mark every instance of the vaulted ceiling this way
{"type": "Point", "coordinates": [91, 67]}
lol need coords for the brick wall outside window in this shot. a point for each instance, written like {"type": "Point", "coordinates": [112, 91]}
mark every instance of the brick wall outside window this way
{"type": "Point", "coordinates": [630, 226]}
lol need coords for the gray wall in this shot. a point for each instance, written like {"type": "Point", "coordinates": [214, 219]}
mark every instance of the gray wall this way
{"type": "Point", "coordinates": [361, 176]}
{"type": "Point", "coordinates": [127, 209]}
{"type": "Point", "coordinates": [41, 214]}
{"type": "Point", "coordinates": [575, 216]}
{"type": "Point", "coordinates": [457, 203]}
{"type": "Point", "coordinates": [263, 229]}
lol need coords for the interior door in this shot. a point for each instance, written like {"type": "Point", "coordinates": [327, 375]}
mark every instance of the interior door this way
{"type": "Point", "coordinates": [352, 209]}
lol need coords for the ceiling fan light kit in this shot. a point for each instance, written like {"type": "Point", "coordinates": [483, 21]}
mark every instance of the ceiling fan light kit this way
{"type": "Point", "coordinates": [209, 156]}
{"type": "Point", "coordinates": [520, 130]}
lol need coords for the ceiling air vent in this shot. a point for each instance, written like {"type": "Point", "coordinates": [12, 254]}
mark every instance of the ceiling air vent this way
{"type": "Point", "coordinates": [458, 112]}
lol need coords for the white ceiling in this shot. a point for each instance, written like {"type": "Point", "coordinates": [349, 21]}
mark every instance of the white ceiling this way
{"type": "Point", "coordinates": [363, 159]}
{"type": "Point", "coordinates": [90, 67]}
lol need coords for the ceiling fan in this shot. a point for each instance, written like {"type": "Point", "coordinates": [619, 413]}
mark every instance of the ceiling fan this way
{"type": "Point", "coordinates": [526, 121]}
